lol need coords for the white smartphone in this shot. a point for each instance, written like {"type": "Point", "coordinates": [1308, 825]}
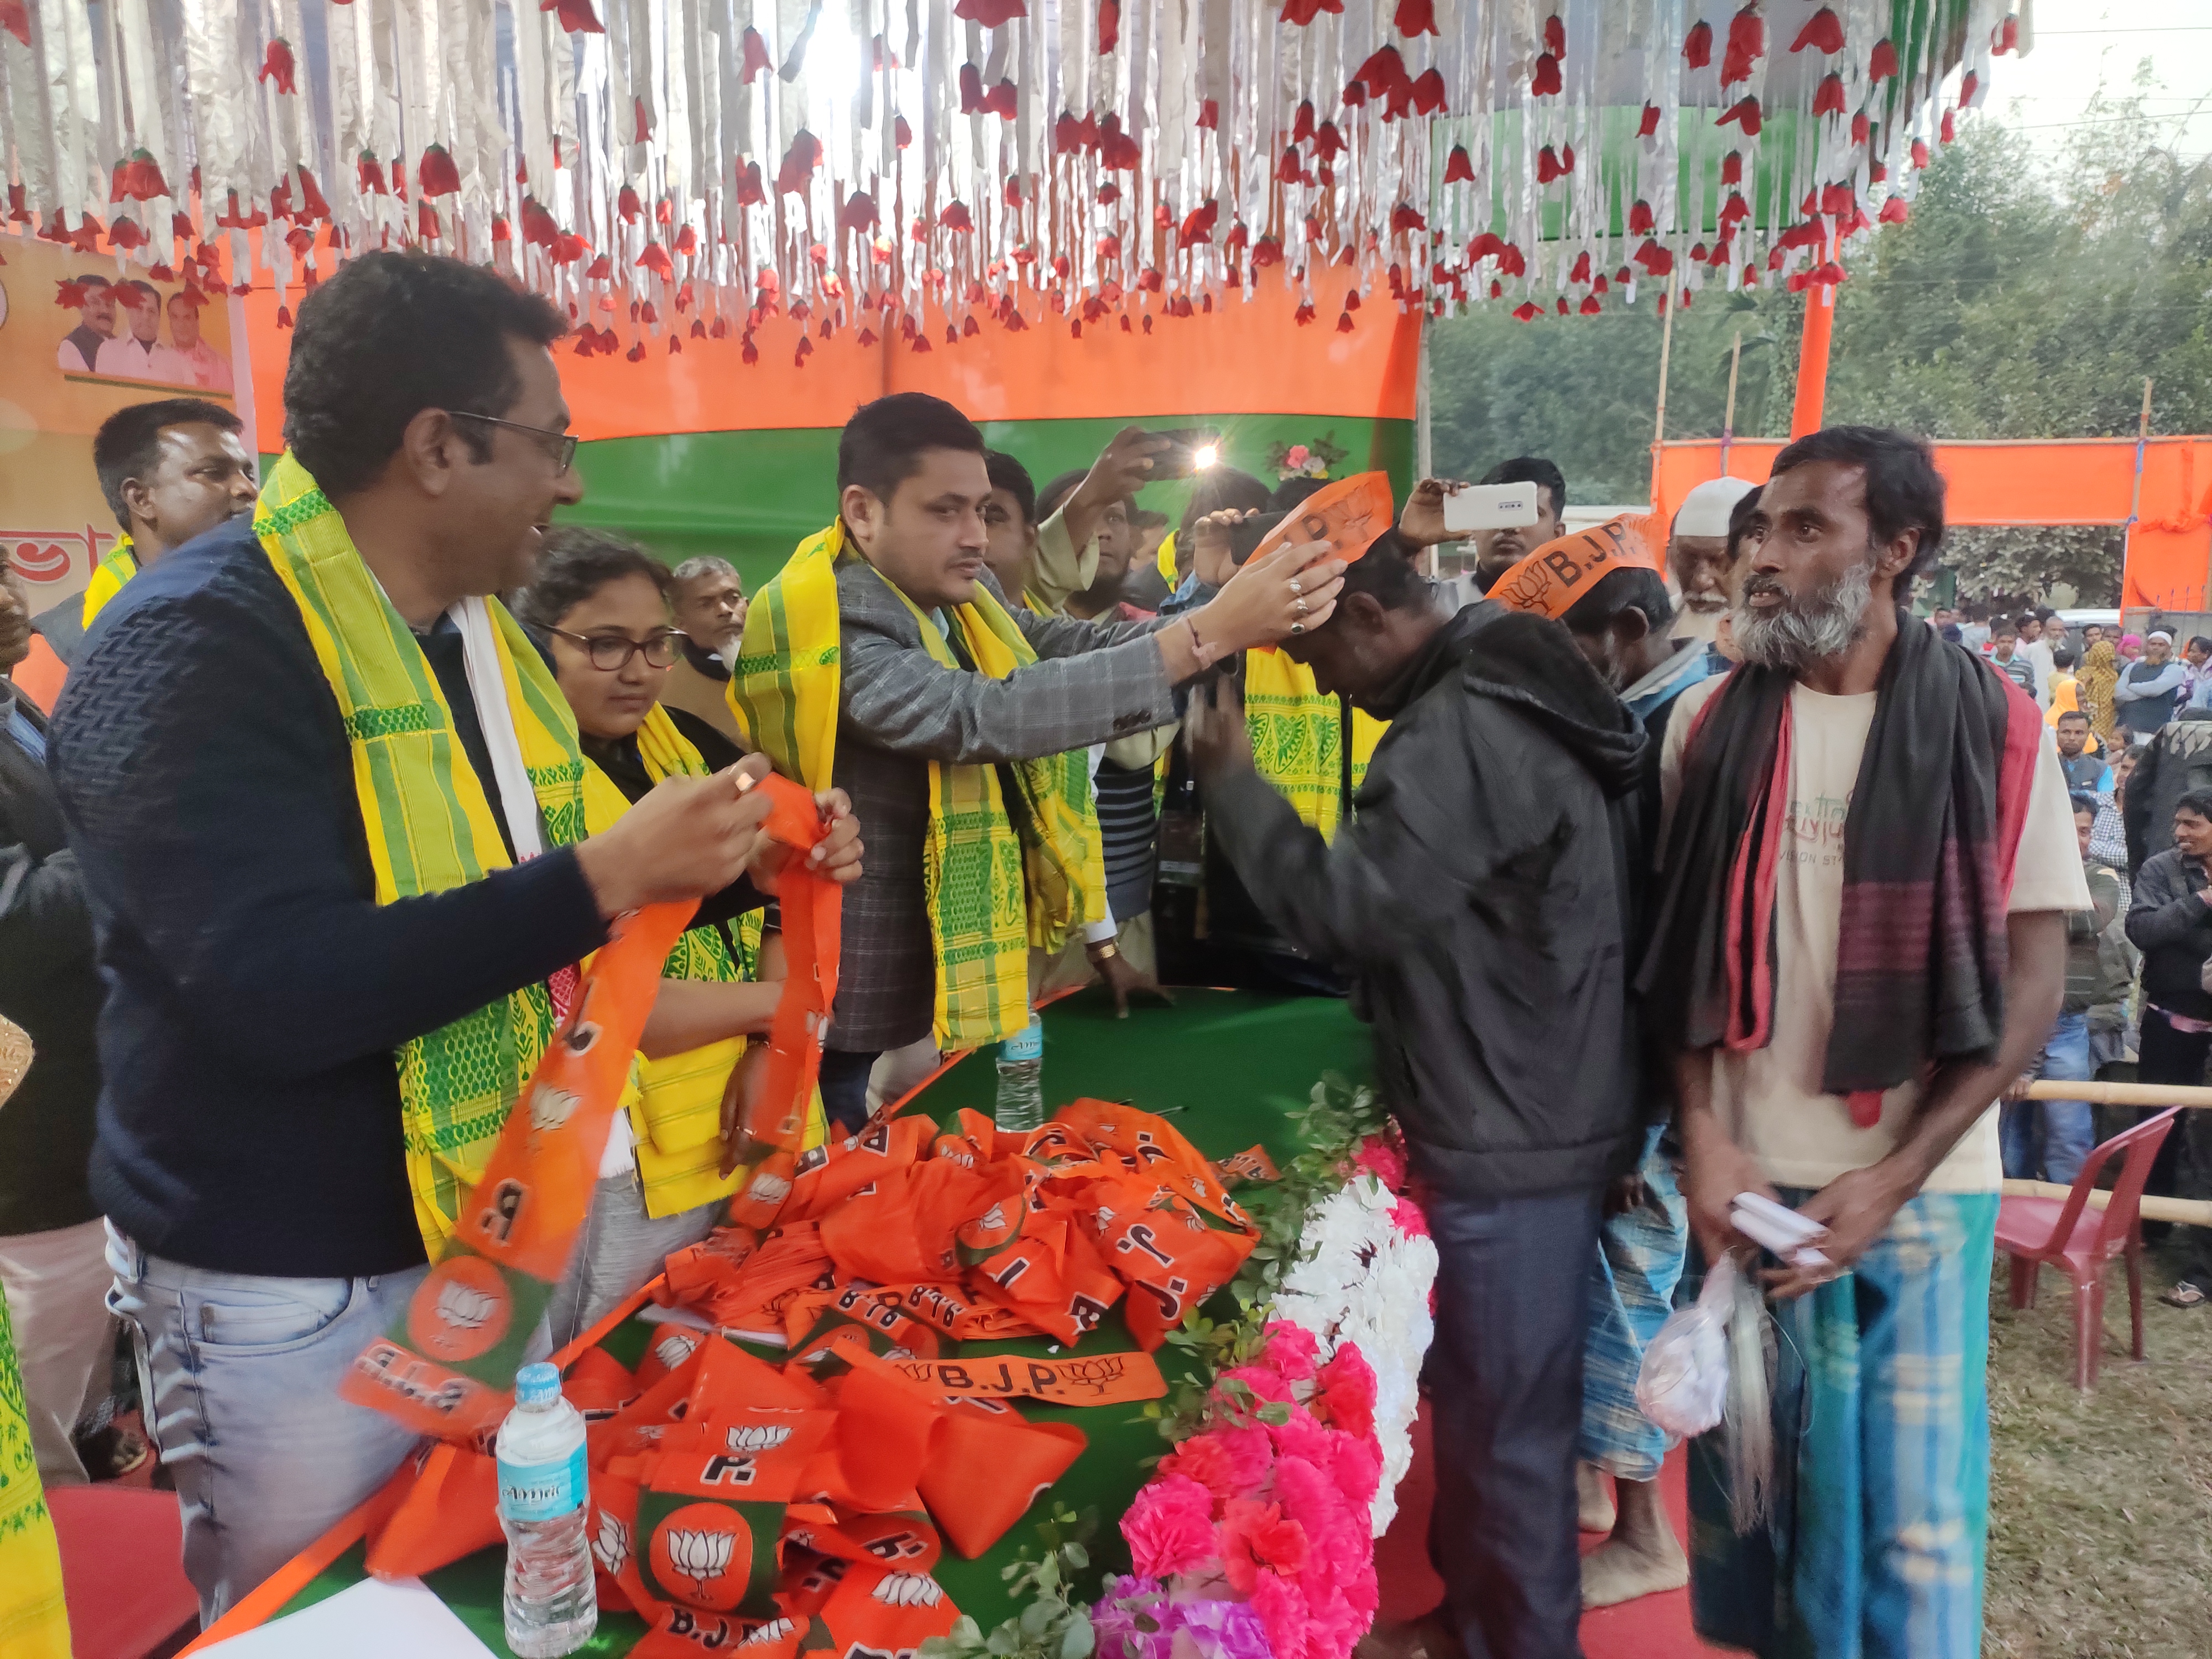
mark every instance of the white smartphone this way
{"type": "Point", "coordinates": [1492, 507]}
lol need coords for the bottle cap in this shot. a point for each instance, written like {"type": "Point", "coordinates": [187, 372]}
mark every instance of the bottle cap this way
{"type": "Point", "coordinates": [538, 1384]}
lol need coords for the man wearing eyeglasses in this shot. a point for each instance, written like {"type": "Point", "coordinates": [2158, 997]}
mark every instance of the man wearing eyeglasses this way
{"type": "Point", "coordinates": [327, 799]}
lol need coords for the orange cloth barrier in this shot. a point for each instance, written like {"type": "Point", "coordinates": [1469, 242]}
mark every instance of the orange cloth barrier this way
{"type": "Point", "coordinates": [2079, 481]}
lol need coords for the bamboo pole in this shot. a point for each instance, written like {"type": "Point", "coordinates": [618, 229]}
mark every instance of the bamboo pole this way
{"type": "Point", "coordinates": [1659, 420]}
{"type": "Point", "coordinates": [2122, 1094]}
{"type": "Point", "coordinates": [1666, 349]}
{"type": "Point", "coordinates": [1728, 418]}
{"type": "Point", "coordinates": [2187, 1212]}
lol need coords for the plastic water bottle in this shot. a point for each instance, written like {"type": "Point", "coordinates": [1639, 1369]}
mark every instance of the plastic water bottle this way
{"type": "Point", "coordinates": [1020, 1104]}
{"type": "Point", "coordinates": [551, 1607]}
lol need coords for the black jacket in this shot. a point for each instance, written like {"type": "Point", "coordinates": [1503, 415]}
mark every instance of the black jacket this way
{"type": "Point", "coordinates": [2169, 923]}
{"type": "Point", "coordinates": [49, 986]}
{"type": "Point", "coordinates": [1481, 901]}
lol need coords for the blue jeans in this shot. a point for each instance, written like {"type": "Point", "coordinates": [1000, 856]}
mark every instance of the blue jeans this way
{"type": "Point", "coordinates": [242, 1373]}
{"type": "Point", "coordinates": [2066, 1128]}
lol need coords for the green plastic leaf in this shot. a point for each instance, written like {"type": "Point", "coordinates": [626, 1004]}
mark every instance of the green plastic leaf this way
{"type": "Point", "coordinates": [1079, 1641]}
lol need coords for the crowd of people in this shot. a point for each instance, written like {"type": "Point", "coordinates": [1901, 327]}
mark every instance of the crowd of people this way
{"type": "Point", "coordinates": [1667, 864]}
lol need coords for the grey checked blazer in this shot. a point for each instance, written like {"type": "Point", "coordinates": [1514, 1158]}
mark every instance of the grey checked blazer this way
{"type": "Point", "coordinates": [901, 710]}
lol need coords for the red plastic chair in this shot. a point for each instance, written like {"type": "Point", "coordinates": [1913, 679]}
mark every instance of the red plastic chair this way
{"type": "Point", "coordinates": [2067, 1234]}
{"type": "Point", "coordinates": [121, 1572]}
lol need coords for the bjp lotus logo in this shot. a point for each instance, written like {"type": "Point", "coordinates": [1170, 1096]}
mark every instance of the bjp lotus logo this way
{"type": "Point", "coordinates": [610, 1546]}
{"type": "Point", "coordinates": [754, 1437]}
{"type": "Point", "coordinates": [551, 1107]}
{"type": "Point", "coordinates": [460, 1311]}
{"type": "Point", "coordinates": [767, 1187]}
{"type": "Point", "coordinates": [703, 1555]}
{"type": "Point", "coordinates": [772, 1632]}
{"type": "Point", "coordinates": [673, 1349]}
{"type": "Point", "coordinates": [907, 1590]}
{"type": "Point", "coordinates": [465, 1309]}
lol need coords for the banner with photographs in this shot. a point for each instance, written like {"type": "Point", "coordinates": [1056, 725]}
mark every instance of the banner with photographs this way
{"type": "Point", "coordinates": [80, 337]}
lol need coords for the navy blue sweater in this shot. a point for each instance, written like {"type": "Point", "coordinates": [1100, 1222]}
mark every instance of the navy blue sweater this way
{"type": "Point", "coordinates": [249, 1115]}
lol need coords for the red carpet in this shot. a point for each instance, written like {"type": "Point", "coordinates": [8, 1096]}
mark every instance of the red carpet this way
{"type": "Point", "coordinates": [1656, 1627]}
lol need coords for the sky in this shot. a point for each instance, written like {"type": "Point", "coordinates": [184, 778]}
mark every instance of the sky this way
{"type": "Point", "coordinates": [2082, 44]}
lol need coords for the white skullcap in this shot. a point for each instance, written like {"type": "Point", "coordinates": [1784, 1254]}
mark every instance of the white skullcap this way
{"type": "Point", "coordinates": [2159, 634]}
{"type": "Point", "coordinates": [1704, 510]}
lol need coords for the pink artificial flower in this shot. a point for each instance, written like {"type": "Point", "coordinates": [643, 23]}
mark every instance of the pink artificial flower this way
{"type": "Point", "coordinates": [1290, 1351]}
{"type": "Point", "coordinates": [1303, 1436]}
{"type": "Point", "coordinates": [1230, 1463]}
{"type": "Point", "coordinates": [1256, 1540]}
{"type": "Point", "coordinates": [1409, 1218]}
{"type": "Point", "coordinates": [1282, 1609]}
{"type": "Point", "coordinates": [1170, 1527]}
{"type": "Point", "coordinates": [1347, 1392]}
{"type": "Point", "coordinates": [1264, 1382]}
{"type": "Point", "coordinates": [1359, 1467]}
{"type": "Point", "coordinates": [1338, 1583]}
{"type": "Point", "coordinates": [1384, 1161]}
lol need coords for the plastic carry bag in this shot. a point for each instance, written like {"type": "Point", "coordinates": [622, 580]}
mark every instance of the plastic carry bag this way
{"type": "Point", "coordinates": [1707, 1367]}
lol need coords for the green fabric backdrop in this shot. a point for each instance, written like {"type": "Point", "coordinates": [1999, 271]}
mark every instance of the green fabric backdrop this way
{"type": "Point", "coordinates": [752, 497]}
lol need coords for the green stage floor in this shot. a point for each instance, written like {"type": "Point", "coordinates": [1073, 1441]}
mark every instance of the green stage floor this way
{"type": "Point", "coordinates": [1228, 1067]}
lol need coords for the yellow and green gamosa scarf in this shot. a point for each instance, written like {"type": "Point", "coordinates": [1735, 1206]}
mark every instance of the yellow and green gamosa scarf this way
{"type": "Point", "coordinates": [117, 568]}
{"type": "Point", "coordinates": [996, 884]}
{"type": "Point", "coordinates": [431, 827]}
{"type": "Point", "coordinates": [1298, 737]}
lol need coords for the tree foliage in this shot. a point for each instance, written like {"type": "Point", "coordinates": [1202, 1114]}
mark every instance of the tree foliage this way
{"type": "Point", "coordinates": [2021, 301]}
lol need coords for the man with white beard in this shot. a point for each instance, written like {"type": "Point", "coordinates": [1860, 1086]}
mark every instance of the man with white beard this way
{"type": "Point", "coordinates": [1697, 556]}
{"type": "Point", "coordinates": [1860, 940]}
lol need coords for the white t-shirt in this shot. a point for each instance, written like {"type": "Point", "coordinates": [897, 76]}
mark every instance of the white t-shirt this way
{"type": "Point", "coordinates": [1770, 1099]}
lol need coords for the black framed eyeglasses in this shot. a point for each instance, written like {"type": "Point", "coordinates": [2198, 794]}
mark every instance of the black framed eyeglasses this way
{"type": "Point", "coordinates": [611, 652]}
{"type": "Point", "coordinates": [561, 446]}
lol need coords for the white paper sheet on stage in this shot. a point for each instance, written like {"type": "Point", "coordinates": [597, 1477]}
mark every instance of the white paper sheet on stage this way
{"type": "Point", "coordinates": [368, 1620]}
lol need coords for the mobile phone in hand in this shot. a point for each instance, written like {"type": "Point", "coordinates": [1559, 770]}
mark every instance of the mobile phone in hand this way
{"type": "Point", "coordinates": [1492, 507]}
{"type": "Point", "coordinates": [1184, 457]}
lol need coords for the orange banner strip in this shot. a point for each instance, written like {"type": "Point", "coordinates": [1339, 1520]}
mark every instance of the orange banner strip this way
{"type": "Point", "coordinates": [446, 1367]}
{"type": "Point", "coordinates": [1103, 1379]}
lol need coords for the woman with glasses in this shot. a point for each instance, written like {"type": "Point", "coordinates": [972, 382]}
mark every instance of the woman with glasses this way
{"type": "Point", "coordinates": [600, 606]}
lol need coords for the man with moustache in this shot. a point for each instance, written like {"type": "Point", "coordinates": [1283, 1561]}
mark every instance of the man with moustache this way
{"type": "Point", "coordinates": [1496, 551]}
{"type": "Point", "coordinates": [331, 866]}
{"type": "Point", "coordinates": [79, 351]}
{"type": "Point", "coordinates": [1889, 812]}
{"type": "Point", "coordinates": [1479, 903]}
{"type": "Point", "coordinates": [205, 367]}
{"type": "Point", "coordinates": [709, 606]}
{"type": "Point", "coordinates": [1697, 553]}
{"type": "Point", "coordinates": [137, 353]}
{"type": "Point", "coordinates": [171, 470]}
{"type": "Point", "coordinates": [884, 655]}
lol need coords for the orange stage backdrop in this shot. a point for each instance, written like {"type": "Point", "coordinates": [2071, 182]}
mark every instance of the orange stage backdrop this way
{"type": "Point", "coordinates": [2056, 481]}
{"type": "Point", "coordinates": [1245, 357]}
